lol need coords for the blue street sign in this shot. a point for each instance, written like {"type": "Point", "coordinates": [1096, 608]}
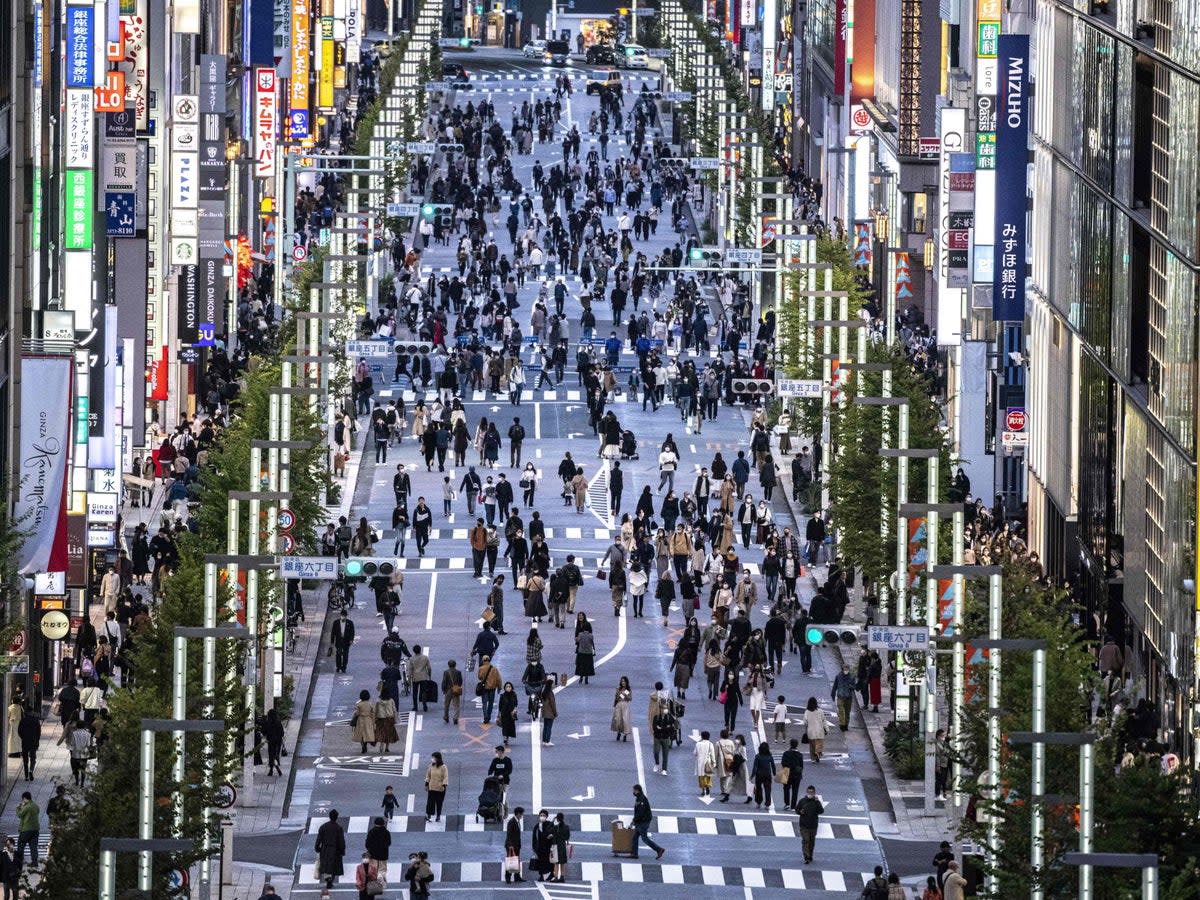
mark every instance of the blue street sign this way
{"type": "Point", "coordinates": [118, 213]}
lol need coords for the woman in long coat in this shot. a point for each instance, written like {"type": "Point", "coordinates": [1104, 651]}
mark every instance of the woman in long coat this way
{"type": "Point", "coordinates": [617, 583]}
{"type": "Point", "coordinates": [681, 665]}
{"type": "Point", "coordinates": [579, 486]}
{"type": "Point", "coordinates": [542, 840]}
{"type": "Point", "coordinates": [706, 763]}
{"type": "Point", "coordinates": [141, 554]}
{"type": "Point", "coordinates": [621, 721]}
{"type": "Point", "coordinates": [508, 712]}
{"type": "Point", "coordinates": [363, 729]}
{"type": "Point", "coordinates": [535, 595]}
{"type": "Point", "coordinates": [385, 722]}
{"type": "Point", "coordinates": [728, 491]}
{"type": "Point", "coordinates": [585, 649]}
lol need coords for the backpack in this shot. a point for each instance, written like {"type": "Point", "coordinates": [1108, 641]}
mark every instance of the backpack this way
{"type": "Point", "coordinates": [875, 889]}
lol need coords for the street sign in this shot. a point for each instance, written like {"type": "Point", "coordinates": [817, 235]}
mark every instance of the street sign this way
{"type": "Point", "coordinates": [421, 147]}
{"type": "Point", "coordinates": [644, 12]}
{"type": "Point", "coordinates": [658, 52]}
{"type": "Point", "coordinates": [17, 646]}
{"type": "Point", "coordinates": [1014, 439]}
{"type": "Point", "coordinates": [1014, 420]}
{"type": "Point", "coordinates": [299, 253]}
{"type": "Point", "coordinates": [368, 348]}
{"type": "Point", "coordinates": [404, 210]}
{"type": "Point", "coordinates": [898, 637]}
{"type": "Point", "coordinates": [743, 255]}
{"type": "Point", "coordinates": [226, 796]}
{"type": "Point", "coordinates": [286, 520]}
{"type": "Point", "coordinates": [705, 162]}
{"type": "Point", "coordinates": [809, 388]}
{"type": "Point", "coordinates": [678, 96]}
{"type": "Point", "coordinates": [49, 584]}
{"type": "Point", "coordinates": [287, 544]}
{"type": "Point", "coordinates": [14, 665]}
{"type": "Point", "coordinates": [320, 568]}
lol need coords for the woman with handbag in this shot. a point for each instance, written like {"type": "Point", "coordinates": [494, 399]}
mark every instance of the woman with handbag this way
{"type": "Point", "coordinates": [706, 763]}
{"type": "Point", "coordinates": [682, 662]}
{"type": "Point", "coordinates": [560, 850]}
{"type": "Point", "coordinates": [621, 722]}
{"type": "Point", "coordinates": [535, 594]}
{"type": "Point", "coordinates": [542, 840]}
{"type": "Point", "coordinates": [362, 722]}
{"type": "Point", "coordinates": [437, 779]}
{"type": "Point", "coordinates": [366, 879]}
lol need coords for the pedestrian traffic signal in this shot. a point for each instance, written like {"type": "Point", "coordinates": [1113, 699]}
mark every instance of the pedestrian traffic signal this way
{"type": "Point", "coordinates": [815, 635]}
{"type": "Point", "coordinates": [364, 567]}
{"type": "Point", "coordinates": [755, 387]}
{"type": "Point", "coordinates": [439, 213]}
{"type": "Point", "coordinates": [709, 257]}
{"type": "Point", "coordinates": [449, 148]}
{"type": "Point", "coordinates": [413, 348]}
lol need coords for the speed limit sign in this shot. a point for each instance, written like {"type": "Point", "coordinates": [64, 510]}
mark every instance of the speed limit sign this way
{"type": "Point", "coordinates": [299, 253]}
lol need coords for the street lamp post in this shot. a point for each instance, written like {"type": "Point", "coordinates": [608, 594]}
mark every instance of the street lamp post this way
{"type": "Point", "coordinates": [1147, 862]}
{"type": "Point", "coordinates": [110, 847]}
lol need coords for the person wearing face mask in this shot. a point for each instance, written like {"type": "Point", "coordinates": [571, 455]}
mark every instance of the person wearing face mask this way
{"type": "Point", "coordinates": [842, 691]}
{"type": "Point", "coordinates": [364, 875]}
{"type": "Point", "coordinates": [542, 840]}
{"type": "Point", "coordinates": [809, 810]}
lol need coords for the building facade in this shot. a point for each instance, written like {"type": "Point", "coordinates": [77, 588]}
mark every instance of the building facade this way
{"type": "Point", "coordinates": [1113, 300]}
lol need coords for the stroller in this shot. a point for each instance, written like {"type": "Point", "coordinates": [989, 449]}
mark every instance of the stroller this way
{"type": "Point", "coordinates": [628, 445]}
{"type": "Point", "coordinates": [493, 803]}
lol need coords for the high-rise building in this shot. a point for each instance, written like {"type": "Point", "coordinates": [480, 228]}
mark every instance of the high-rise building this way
{"type": "Point", "coordinates": [1113, 316]}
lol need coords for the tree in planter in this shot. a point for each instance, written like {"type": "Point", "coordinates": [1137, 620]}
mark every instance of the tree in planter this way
{"type": "Point", "coordinates": [857, 481]}
{"type": "Point", "coordinates": [1137, 809]}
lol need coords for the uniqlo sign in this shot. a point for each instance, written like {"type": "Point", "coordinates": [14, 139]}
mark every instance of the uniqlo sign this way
{"type": "Point", "coordinates": [266, 124]}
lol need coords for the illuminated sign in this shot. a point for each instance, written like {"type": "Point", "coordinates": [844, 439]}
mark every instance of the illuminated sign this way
{"type": "Point", "coordinates": [266, 122]}
{"type": "Point", "coordinates": [80, 45]}
{"type": "Point", "coordinates": [298, 85]}
{"type": "Point", "coordinates": [80, 198]}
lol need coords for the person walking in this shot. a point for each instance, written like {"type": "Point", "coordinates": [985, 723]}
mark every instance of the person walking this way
{"type": "Point", "coordinates": [791, 766]}
{"type": "Point", "coordinates": [512, 847]}
{"type": "Point", "coordinates": [643, 815]}
{"type": "Point", "coordinates": [844, 687]}
{"type": "Point", "coordinates": [663, 726]}
{"type": "Point", "coordinates": [815, 728]}
{"type": "Point", "coordinates": [29, 730]}
{"type": "Point", "coordinates": [385, 722]}
{"type": "Point", "coordinates": [366, 877]}
{"type": "Point", "coordinates": [341, 636]}
{"type": "Point", "coordinates": [437, 779]}
{"type": "Point", "coordinates": [452, 689]}
{"type": "Point", "coordinates": [418, 874]}
{"type": "Point", "coordinates": [362, 722]}
{"type": "Point", "coordinates": [763, 772]}
{"type": "Point", "coordinates": [28, 828]}
{"type": "Point", "coordinates": [706, 763]}
{"type": "Point", "coordinates": [488, 682]}
{"type": "Point", "coordinates": [621, 720]}
{"type": "Point", "coordinates": [419, 672]}
{"type": "Point", "coordinates": [379, 844]}
{"type": "Point", "coordinates": [272, 732]}
{"type": "Point", "coordinates": [585, 648]}
{"type": "Point", "coordinates": [809, 810]}
{"type": "Point", "coordinates": [954, 886]}
{"type": "Point", "coordinates": [549, 711]}
{"type": "Point", "coordinates": [330, 848]}
{"type": "Point", "coordinates": [508, 713]}
{"type": "Point", "coordinates": [10, 869]}
{"type": "Point", "coordinates": [731, 698]}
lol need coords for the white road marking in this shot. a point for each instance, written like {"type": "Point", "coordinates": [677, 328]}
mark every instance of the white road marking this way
{"type": "Point", "coordinates": [537, 421]}
{"type": "Point", "coordinates": [432, 595]}
{"type": "Point", "coordinates": [535, 769]}
{"type": "Point", "coordinates": [637, 751]}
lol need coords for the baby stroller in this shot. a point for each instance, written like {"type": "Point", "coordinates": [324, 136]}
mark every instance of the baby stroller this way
{"type": "Point", "coordinates": [493, 804]}
{"type": "Point", "coordinates": [628, 445]}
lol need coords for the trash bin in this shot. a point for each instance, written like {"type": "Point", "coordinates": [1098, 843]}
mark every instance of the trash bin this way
{"type": "Point", "coordinates": [622, 838]}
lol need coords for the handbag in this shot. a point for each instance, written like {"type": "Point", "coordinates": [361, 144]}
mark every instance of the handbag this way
{"type": "Point", "coordinates": [512, 863]}
{"type": "Point", "coordinates": [488, 614]}
{"type": "Point", "coordinates": [479, 689]}
{"type": "Point", "coordinates": [695, 603]}
{"type": "Point", "coordinates": [601, 574]}
{"type": "Point", "coordinates": [456, 690]}
{"type": "Point", "coordinates": [804, 738]}
{"type": "Point", "coordinates": [522, 582]}
{"type": "Point", "coordinates": [723, 696]}
{"type": "Point", "coordinates": [470, 663]}
{"type": "Point", "coordinates": [728, 763]}
{"type": "Point", "coordinates": [782, 776]}
{"type": "Point", "coordinates": [354, 720]}
{"type": "Point", "coordinates": [375, 886]}
{"type": "Point", "coordinates": [709, 767]}
{"type": "Point", "coordinates": [554, 855]}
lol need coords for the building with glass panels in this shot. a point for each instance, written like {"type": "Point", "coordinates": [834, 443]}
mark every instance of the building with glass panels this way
{"type": "Point", "coordinates": [1112, 329]}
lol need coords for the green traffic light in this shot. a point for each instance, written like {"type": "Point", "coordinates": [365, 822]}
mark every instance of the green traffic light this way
{"type": "Point", "coordinates": [814, 634]}
{"type": "Point", "coordinates": [628, 51]}
{"type": "Point", "coordinates": [464, 42]}
{"type": "Point", "coordinates": [696, 253]}
{"type": "Point", "coordinates": [354, 568]}
{"type": "Point", "coordinates": [427, 209]}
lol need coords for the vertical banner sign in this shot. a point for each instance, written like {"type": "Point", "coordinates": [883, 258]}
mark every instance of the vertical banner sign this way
{"type": "Point", "coordinates": [189, 312]}
{"type": "Point", "coordinates": [325, 81]}
{"type": "Point", "coordinates": [953, 126]}
{"type": "Point", "coordinates": [769, 36]}
{"type": "Point", "coordinates": [1012, 153]}
{"type": "Point", "coordinates": [266, 124]}
{"type": "Point", "coordinates": [904, 281]}
{"type": "Point", "coordinates": [45, 441]}
{"type": "Point", "coordinates": [353, 32]}
{"type": "Point", "coordinates": [298, 86]}
{"type": "Point", "coordinates": [839, 48]}
{"type": "Point", "coordinates": [80, 46]}
{"type": "Point", "coordinates": [80, 197]}
{"type": "Point", "coordinates": [35, 133]}
{"type": "Point", "coordinates": [136, 65]}
{"type": "Point", "coordinates": [863, 244]}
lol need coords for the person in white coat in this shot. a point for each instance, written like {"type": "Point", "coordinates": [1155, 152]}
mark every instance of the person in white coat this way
{"type": "Point", "coordinates": [706, 763]}
{"type": "Point", "coordinates": [814, 729]}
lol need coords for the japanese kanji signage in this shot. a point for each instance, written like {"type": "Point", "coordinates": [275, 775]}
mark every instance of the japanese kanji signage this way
{"type": "Point", "coordinates": [898, 638]}
{"type": "Point", "coordinates": [80, 196]}
{"type": "Point", "coordinates": [323, 568]}
{"type": "Point", "coordinates": [266, 124]}
{"type": "Point", "coordinates": [298, 86]}
{"type": "Point", "coordinates": [1012, 154]}
{"type": "Point", "coordinates": [81, 144]}
{"type": "Point", "coordinates": [80, 46]}
{"type": "Point", "coordinates": [118, 213]}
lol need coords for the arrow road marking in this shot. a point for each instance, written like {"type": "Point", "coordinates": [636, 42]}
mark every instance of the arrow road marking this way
{"type": "Point", "coordinates": [587, 732]}
{"type": "Point", "coordinates": [591, 793]}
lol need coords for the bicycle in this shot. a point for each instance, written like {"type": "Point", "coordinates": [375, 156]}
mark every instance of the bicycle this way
{"type": "Point", "coordinates": [341, 595]}
{"type": "Point", "coordinates": [405, 682]}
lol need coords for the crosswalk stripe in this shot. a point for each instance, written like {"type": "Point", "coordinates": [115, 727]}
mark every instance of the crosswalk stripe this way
{"type": "Point", "coordinates": [713, 875]}
{"type": "Point", "coordinates": [461, 563]}
{"type": "Point", "coordinates": [834, 881]}
{"type": "Point", "coordinates": [631, 872]}
{"type": "Point", "coordinates": [793, 879]}
{"type": "Point", "coordinates": [672, 874]}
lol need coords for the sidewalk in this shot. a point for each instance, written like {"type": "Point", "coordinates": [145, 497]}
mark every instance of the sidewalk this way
{"type": "Point", "coordinates": [259, 809]}
{"type": "Point", "coordinates": [904, 796]}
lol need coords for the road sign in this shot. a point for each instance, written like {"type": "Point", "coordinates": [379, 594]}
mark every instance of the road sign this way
{"type": "Point", "coordinates": [299, 253]}
{"type": "Point", "coordinates": [898, 637]}
{"type": "Point", "coordinates": [743, 255]}
{"type": "Point", "coordinates": [1015, 419]}
{"type": "Point", "coordinates": [369, 348]}
{"type": "Point", "coordinates": [287, 544]}
{"type": "Point", "coordinates": [17, 646]}
{"type": "Point", "coordinates": [404, 210]}
{"type": "Point", "coordinates": [705, 162]}
{"type": "Point", "coordinates": [177, 879]}
{"type": "Point", "coordinates": [678, 96]}
{"type": "Point", "coordinates": [286, 520]}
{"type": "Point", "coordinates": [438, 86]}
{"type": "Point", "coordinates": [1014, 439]}
{"type": "Point", "coordinates": [226, 796]}
{"type": "Point", "coordinates": [658, 52]}
{"type": "Point", "coordinates": [799, 387]}
{"type": "Point", "coordinates": [320, 568]}
{"type": "Point", "coordinates": [421, 147]}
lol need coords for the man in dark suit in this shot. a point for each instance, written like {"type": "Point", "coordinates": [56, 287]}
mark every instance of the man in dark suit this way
{"type": "Point", "coordinates": [512, 844]}
{"type": "Point", "coordinates": [341, 637]}
{"type": "Point", "coordinates": [616, 485]}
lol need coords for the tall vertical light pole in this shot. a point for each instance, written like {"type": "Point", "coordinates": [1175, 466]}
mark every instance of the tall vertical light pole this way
{"type": "Point", "coordinates": [1147, 862]}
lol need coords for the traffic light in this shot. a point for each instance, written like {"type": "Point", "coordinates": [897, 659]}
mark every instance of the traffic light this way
{"type": "Point", "coordinates": [709, 257]}
{"type": "Point", "coordinates": [815, 635]}
{"type": "Point", "coordinates": [450, 148]}
{"type": "Point", "coordinates": [413, 348]}
{"type": "Point", "coordinates": [367, 567]}
{"type": "Point", "coordinates": [439, 213]}
{"type": "Point", "coordinates": [464, 41]}
{"type": "Point", "coordinates": [755, 387]}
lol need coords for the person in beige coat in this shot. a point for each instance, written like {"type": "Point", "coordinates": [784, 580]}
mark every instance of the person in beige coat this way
{"type": "Point", "coordinates": [362, 723]}
{"type": "Point", "coordinates": [954, 886]}
{"type": "Point", "coordinates": [437, 779]}
{"type": "Point", "coordinates": [579, 486]}
{"type": "Point", "coordinates": [815, 728]}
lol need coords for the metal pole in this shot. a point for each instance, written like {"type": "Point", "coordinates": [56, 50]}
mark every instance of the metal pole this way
{"type": "Point", "coordinates": [108, 875]}
{"type": "Point", "coordinates": [959, 664]}
{"type": "Point", "coordinates": [1086, 766]}
{"type": "Point", "coordinates": [902, 528]}
{"type": "Point", "coordinates": [1150, 883]}
{"type": "Point", "coordinates": [252, 655]}
{"type": "Point", "coordinates": [931, 619]}
{"type": "Point", "coordinates": [884, 517]}
{"type": "Point", "coordinates": [208, 677]}
{"type": "Point", "coordinates": [146, 811]}
{"type": "Point", "coordinates": [1039, 772]}
{"type": "Point", "coordinates": [179, 713]}
{"type": "Point", "coordinates": [995, 599]}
